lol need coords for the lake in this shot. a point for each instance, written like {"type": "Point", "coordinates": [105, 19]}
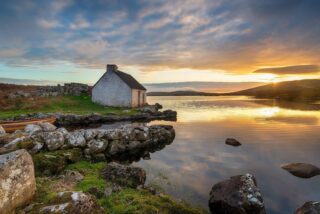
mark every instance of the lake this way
{"type": "Point", "coordinates": [271, 134]}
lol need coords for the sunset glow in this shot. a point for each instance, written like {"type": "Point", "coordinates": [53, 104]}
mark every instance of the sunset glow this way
{"type": "Point", "coordinates": [160, 41]}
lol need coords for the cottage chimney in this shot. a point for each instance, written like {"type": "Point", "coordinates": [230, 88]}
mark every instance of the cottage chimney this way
{"type": "Point", "coordinates": [113, 68]}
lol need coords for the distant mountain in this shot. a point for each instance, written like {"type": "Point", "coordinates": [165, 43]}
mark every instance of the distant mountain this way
{"type": "Point", "coordinates": [181, 93]}
{"type": "Point", "coordinates": [298, 90]}
{"type": "Point", "coordinates": [214, 87]}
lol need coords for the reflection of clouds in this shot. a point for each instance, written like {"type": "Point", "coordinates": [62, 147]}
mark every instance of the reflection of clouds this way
{"type": "Point", "coordinates": [199, 158]}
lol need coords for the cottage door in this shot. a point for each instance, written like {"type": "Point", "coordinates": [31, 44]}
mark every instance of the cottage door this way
{"type": "Point", "coordinates": [139, 97]}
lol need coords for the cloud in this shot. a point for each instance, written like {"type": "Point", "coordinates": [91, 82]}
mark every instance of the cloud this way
{"type": "Point", "coordinates": [230, 36]}
{"type": "Point", "coordinates": [11, 52]}
{"type": "Point", "coordinates": [295, 69]}
{"type": "Point", "coordinates": [49, 23]}
{"type": "Point", "coordinates": [79, 23]}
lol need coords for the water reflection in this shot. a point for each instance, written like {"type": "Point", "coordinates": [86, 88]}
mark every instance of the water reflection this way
{"type": "Point", "coordinates": [271, 136]}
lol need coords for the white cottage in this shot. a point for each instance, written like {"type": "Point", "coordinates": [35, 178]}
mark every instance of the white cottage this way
{"type": "Point", "coordinates": [116, 88]}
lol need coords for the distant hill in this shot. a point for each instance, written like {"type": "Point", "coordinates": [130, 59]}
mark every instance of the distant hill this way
{"type": "Point", "coordinates": [299, 90]}
{"type": "Point", "coordinates": [181, 93]}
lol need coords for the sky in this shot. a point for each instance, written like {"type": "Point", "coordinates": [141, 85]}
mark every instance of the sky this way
{"type": "Point", "coordinates": [160, 41]}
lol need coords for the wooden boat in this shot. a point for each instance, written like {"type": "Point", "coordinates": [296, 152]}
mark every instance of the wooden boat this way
{"type": "Point", "coordinates": [12, 126]}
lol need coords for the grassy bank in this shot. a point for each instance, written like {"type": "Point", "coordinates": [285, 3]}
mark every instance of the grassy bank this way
{"type": "Point", "coordinates": [64, 104]}
{"type": "Point", "coordinates": [125, 201]}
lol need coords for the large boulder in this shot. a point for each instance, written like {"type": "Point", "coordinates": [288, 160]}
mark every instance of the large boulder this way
{"type": "Point", "coordinates": [123, 175]}
{"type": "Point", "coordinates": [239, 194]}
{"type": "Point", "coordinates": [302, 170]}
{"type": "Point", "coordinates": [53, 140]}
{"type": "Point", "coordinates": [69, 203]}
{"type": "Point", "coordinates": [310, 207]}
{"type": "Point", "coordinates": [17, 180]}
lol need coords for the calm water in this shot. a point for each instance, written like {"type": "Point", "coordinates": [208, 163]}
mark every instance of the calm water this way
{"type": "Point", "coordinates": [271, 135]}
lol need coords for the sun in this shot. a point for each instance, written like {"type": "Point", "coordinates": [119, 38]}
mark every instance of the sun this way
{"type": "Point", "coordinates": [269, 78]}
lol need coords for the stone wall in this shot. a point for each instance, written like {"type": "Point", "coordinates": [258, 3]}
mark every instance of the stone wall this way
{"type": "Point", "coordinates": [75, 89]}
{"type": "Point", "coordinates": [95, 144]}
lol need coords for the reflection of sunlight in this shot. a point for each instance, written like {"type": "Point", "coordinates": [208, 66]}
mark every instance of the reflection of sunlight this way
{"type": "Point", "coordinates": [234, 108]}
{"type": "Point", "coordinates": [269, 112]}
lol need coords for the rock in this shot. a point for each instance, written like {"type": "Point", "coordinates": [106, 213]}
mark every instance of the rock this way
{"type": "Point", "coordinates": [63, 131]}
{"type": "Point", "coordinates": [301, 170]}
{"type": "Point", "coordinates": [310, 207]}
{"type": "Point", "coordinates": [76, 139]}
{"type": "Point", "coordinates": [239, 194]}
{"type": "Point", "coordinates": [47, 127]}
{"type": "Point", "coordinates": [90, 134]}
{"type": "Point", "coordinates": [73, 176]}
{"type": "Point", "coordinates": [122, 175]}
{"type": "Point", "coordinates": [112, 189]}
{"type": "Point", "coordinates": [70, 203]}
{"type": "Point", "coordinates": [53, 163]}
{"type": "Point", "coordinates": [98, 157]}
{"type": "Point", "coordinates": [97, 146]}
{"type": "Point", "coordinates": [32, 129]}
{"type": "Point", "coordinates": [53, 140]}
{"type": "Point", "coordinates": [18, 143]}
{"type": "Point", "coordinates": [2, 131]}
{"type": "Point", "coordinates": [37, 148]}
{"type": "Point", "coordinates": [232, 142]}
{"type": "Point", "coordinates": [17, 180]}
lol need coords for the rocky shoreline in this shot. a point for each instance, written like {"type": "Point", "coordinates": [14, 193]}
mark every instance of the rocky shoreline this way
{"type": "Point", "coordinates": [145, 114]}
{"type": "Point", "coordinates": [45, 169]}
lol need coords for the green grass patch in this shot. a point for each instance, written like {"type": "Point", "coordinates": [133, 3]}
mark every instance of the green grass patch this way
{"type": "Point", "coordinates": [141, 201]}
{"type": "Point", "coordinates": [91, 172]}
{"type": "Point", "coordinates": [64, 104]}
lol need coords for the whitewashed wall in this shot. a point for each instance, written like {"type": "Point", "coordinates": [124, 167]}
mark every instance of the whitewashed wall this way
{"type": "Point", "coordinates": [112, 91]}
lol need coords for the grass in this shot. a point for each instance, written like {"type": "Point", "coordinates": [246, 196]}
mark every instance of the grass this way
{"type": "Point", "coordinates": [91, 172]}
{"type": "Point", "coordinates": [127, 201]}
{"type": "Point", "coordinates": [141, 201]}
{"type": "Point", "coordinates": [65, 104]}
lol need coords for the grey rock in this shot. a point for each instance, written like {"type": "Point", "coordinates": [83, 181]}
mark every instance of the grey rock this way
{"type": "Point", "coordinates": [239, 194]}
{"type": "Point", "coordinates": [310, 207]}
{"type": "Point", "coordinates": [47, 127]}
{"type": "Point", "coordinates": [32, 129]}
{"type": "Point", "coordinates": [302, 170]}
{"type": "Point", "coordinates": [76, 139]}
{"type": "Point", "coordinates": [71, 202]}
{"type": "Point", "coordinates": [63, 131]}
{"type": "Point", "coordinates": [53, 140]}
{"type": "Point", "coordinates": [97, 146]}
{"type": "Point", "coordinates": [90, 134]}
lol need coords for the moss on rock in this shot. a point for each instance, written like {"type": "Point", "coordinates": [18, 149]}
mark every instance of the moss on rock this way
{"type": "Point", "coordinates": [52, 163]}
